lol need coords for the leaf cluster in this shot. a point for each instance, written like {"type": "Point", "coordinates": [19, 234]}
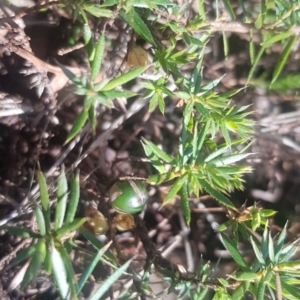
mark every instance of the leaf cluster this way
{"type": "Point", "coordinates": [271, 273]}
{"type": "Point", "coordinates": [53, 242]}
{"type": "Point", "coordinates": [200, 164]}
{"type": "Point", "coordinates": [214, 137]}
{"type": "Point", "coordinates": [97, 93]}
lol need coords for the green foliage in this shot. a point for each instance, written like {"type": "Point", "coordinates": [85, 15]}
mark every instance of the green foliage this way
{"type": "Point", "coordinates": [102, 92]}
{"type": "Point", "coordinates": [80, 8]}
{"type": "Point", "coordinates": [272, 260]}
{"type": "Point", "coordinates": [286, 84]}
{"type": "Point", "coordinates": [214, 137]}
{"type": "Point", "coordinates": [51, 241]}
{"type": "Point", "coordinates": [157, 90]}
{"type": "Point", "coordinates": [278, 18]}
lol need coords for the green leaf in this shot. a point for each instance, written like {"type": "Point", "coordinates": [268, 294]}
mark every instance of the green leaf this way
{"type": "Point", "coordinates": [175, 188]}
{"type": "Point", "coordinates": [229, 159]}
{"type": "Point", "coordinates": [227, 4]}
{"type": "Point", "coordinates": [88, 41]}
{"type": "Point", "coordinates": [292, 292]}
{"type": "Point", "coordinates": [110, 3]}
{"type": "Point", "coordinates": [104, 287]}
{"type": "Point", "coordinates": [195, 143]}
{"type": "Point", "coordinates": [117, 94]}
{"type": "Point", "coordinates": [201, 9]}
{"type": "Point", "coordinates": [153, 102]}
{"type": "Point", "coordinates": [44, 198]}
{"type": "Point", "coordinates": [240, 291]}
{"type": "Point", "coordinates": [74, 198]}
{"type": "Point", "coordinates": [216, 153]}
{"type": "Point", "coordinates": [160, 178]}
{"type": "Point", "coordinates": [197, 147]}
{"type": "Point", "coordinates": [242, 5]}
{"type": "Point", "coordinates": [90, 267]}
{"type": "Point", "coordinates": [48, 263]}
{"type": "Point", "coordinates": [265, 241]}
{"type": "Point", "coordinates": [98, 86]}
{"type": "Point", "coordinates": [210, 86]}
{"type": "Point", "coordinates": [89, 101]}
{"type": "Point", "coordinates": [203, 293]}
{"type": "Point", "coordinates": [67, 72]}
{"type": "Point", "coordinates": [60, 274]}
{"type": "Point", "coordinates": [283, 58]}
{"type": "Point", "coordinates": [40, 220]}
{"type": "Point", "coordinates": [23, 232]}
{"type": "Point", "coordinates": [152, 4]}
{"type": "Point", "coordinates": [225, 225]}
{"type": "Point", "coordinates": [276, 38]}
{"type": "Point", "coordinates": [62, 197]}
{"type": "Point", "coordinates": [257, 252]}
{"type": "Point", "coordinates": [160, 153]}
{"type": "Point", "coordinates": [251, 47]}
{"type": "Point", "coordinates": [288, 251]}
{"type": "Point", "coordinates": [232, 249]}
{"type": "Point", "coordinates": [92, 238]}
{"type": "Point", "coordinates": [190, 40]}
{"type": "Point", "coordinates": [130, 75]}
{"type": "Point", "coordinates": [263, 9]}
{"type": "Point", "coordinates": [35, 264]}
{"type": "Point", "coordinates": [98, 56]}
{"type": "Point", "coordinates": [77, 126]}
{"type": "Point", "coordinates": [184, 204]}
{"type": "Point", "coordinates": [225, 44]}
{"type": "Point", "coordinates": [267, 213]}
{"type": "Point", "coordinates": [245, 276]}
{"type": "Point", "coordinates": [88, 271]}
{"type": "Point", "coordinates": [216, 194]}
{"type": "Point", "coordinates": [271, 249]}
{"type": "Point", "coordinates": [156, 163]}
{"type": "Point", "coordinates": [69, 270]}
{"type": "Point", "coordinates": [93, 117]}
{"type": "Point", "coordinates": [67, 228]}
{"type": "Point", "coordinates": [22, 255]}
{"type": "Point", "coordinates": [183, 95]}
{"type": "Point", "coordinates": [161, 103]}
{"type": "Point", "coordinates": [105, 101]}
{"type": "Point", "coordinates": [261, 289]}
{"type": "Point", "coordinates": [183, 150]}
{"type": "Point", "coordinates": [137, 24]}
{"type": "Point", "coordinates": [187, 113]}
{"type": "Point", "coordinates": [259, 22]}
{"type": "Point", "coordinates": [280, 242]}
{"type": "Point", "coordinates": [258, 56]}
{"type": "Point", "coordinates": [98, 245]}
{"type": "Point", "coordinates": [97, 11]}
{"type": "Point", "coordinates": [231, 93]}
{"type": "Point", "coordinates": [197, 74]}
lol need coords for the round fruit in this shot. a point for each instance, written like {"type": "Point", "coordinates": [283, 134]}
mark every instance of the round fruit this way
{"type": "Point", "coordinates": [128, 197]}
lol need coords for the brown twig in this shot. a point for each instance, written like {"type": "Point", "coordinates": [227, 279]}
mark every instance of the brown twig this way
{"type": "Point", "coordinates": [34, 60]}
{"type": "Point", "coordinates": [36, 7]}
{"type": "Point", "coordinates": [64, 51]}
{"type": "Point", "coordinates": [209, 210]}
{"type": "Point", "coordinates": [153, 256]}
